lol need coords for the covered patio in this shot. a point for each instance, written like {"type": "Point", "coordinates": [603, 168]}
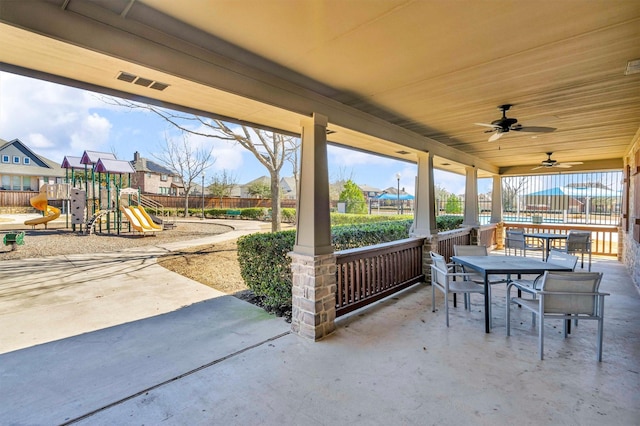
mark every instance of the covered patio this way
{"type": "Point", "coordinates": [408, 80]}
{"type": "Point", "coordinates": [392, 363]}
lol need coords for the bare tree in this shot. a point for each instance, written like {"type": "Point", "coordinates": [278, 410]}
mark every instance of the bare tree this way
{"type": "Point", "coordinates": [270, 148]}
{"type": "Point", "coordinates": [186, 162]}
{"type": "Point", "coordinates": [340, 177]}
{"type": "Point", "coordinates": [511, 187]}
{"type": "Point", "coordinates": [221, 184]}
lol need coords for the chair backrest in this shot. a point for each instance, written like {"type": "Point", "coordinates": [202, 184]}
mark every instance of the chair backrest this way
{"type": "Point", "coordinates": [561, 258]}
{"type": "Point", "coordinates": [515, 239]}
{"type": "Point", "coordinates": [470, 250]}
{"type": "Point", "coordinates": [439, 272]}
{"type": "Point", "coordinates": [578, 241]}
{"type": "Point", "coordinates": [574, 283]}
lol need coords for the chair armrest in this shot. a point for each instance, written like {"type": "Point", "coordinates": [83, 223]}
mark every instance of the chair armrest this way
{"type": "Point", "coordinates": [571, 293]}
{"type": "Point", "coordinates": [523, 286]}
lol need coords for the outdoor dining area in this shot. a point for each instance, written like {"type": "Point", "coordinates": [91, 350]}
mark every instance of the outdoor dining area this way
{"type": "Point", "coordinates": [553, 287]}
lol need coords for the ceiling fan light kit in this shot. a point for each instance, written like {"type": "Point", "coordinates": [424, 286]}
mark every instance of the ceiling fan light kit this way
{"type": "Point", "coordinates": [549, 163]}
{"type": "Point", "coordinates": [506, 124]}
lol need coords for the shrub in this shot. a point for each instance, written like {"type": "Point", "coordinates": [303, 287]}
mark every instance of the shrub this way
{"type": "Point", "coordinates": [254, 213]}
{"type": "Point", "coordinates": [353, 236]}
{"type": "Point", "coordinates": [352, 219]}
{"type": "Point", "coordinates": [215, 212]}
{"type": "Point", "coordinates": [448, 222]}
{"type": "Point", "coordinates": [266, 268]}
{"type": "Point", "coordinates": [289, 215]}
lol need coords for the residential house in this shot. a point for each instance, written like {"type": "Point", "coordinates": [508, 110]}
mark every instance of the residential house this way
{"type": "Point", "coordinates": [21, 169]}
{"type": "Point", "coordinates": [370, 192]}
{"type": "Point", "coordinates": [287, 187]}
{"type": "Point", "coordinates": [153, 178]}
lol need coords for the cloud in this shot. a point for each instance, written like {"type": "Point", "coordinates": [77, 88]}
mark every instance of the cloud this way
{"type": "Point", "coordinates": [350, 158]}
{"type": "Point", "coordinates": [53, 119]}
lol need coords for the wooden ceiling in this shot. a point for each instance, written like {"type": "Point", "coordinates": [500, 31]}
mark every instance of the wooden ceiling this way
{"type": "Point", "coordinates": [392, 76]}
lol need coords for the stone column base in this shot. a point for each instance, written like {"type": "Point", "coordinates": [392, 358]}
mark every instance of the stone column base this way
{"type": "Point", "coordinates": [313, 295]}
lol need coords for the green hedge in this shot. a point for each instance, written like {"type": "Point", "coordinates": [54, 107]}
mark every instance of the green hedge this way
{"type": "Point", "coordinates": [346, 237]}
{"type": "Point", "coordinates": [448, 222]}
{"type": "Point", "coordinates": [266, 268]}
{"type": "Point", "coordinates": [352, 219]}
{"type": "Point", "coordinates": [254, 213]}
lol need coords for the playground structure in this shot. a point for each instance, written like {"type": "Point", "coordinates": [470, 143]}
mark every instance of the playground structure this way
{"type": "Point", "coordinates": [97, 196]}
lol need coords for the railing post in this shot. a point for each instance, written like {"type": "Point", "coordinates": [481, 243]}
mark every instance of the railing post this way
{"type": "Point", "coordinates": [430, 245]}
{"type": "Point", "coordinates": [499, 235]}
{"type": "Point", "coordinates": [313, 295]}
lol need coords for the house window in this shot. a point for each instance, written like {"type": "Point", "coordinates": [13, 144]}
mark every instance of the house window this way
{"type": "Point", "coordinates": [16, 160]}
{"type": "Point", "coordinates": [26, 183]}
{"type": "Point", "coordinates": [5, 158]}
{"type": "Point", "coordinates": [6, 181]}
{"type": "Point", "coordinates": [26, 160]}
{"type": "Point", "coordinates": [16, 184]}
{"type": "Point", "coordinates": [164, 178]}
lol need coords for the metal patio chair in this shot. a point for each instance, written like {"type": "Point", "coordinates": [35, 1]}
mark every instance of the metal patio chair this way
{"type": "Point", "coordinates": [565, 296]}
{"type": "Point", "coordinates": [516, 241]}
{"type": "Point", "coordinates": [445, 279]}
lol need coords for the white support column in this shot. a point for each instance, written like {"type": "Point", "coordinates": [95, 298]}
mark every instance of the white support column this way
{"type": "Point", "coordinates": [471, 198]}
{"type": "Point", "coordinates": [313, 235]}
{"type": "Point", "coordinates": [496, 200]}
{"type": "Point", "coordinates": [424, 224]}
{"type": "Point", "coordinates": [313, 264]}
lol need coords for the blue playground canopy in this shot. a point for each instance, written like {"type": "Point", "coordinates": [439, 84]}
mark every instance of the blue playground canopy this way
{"type": "Point", "coordinates": [388, 196]}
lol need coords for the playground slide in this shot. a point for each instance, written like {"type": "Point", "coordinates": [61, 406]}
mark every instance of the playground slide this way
{"type": "Point", "coordinates": [150, 221]}
{"type": "Point", "coordinates": [39, 202]}
{"type": "Point", "coordinates": [141, 219]}
{"type": "Point", "coordinates": [133, 220]}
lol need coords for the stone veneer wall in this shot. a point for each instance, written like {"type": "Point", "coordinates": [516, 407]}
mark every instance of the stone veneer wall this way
{"type": "Point", "coordinates": [313, 295]}
{"type": "Point", "coordinates": [631, 252]}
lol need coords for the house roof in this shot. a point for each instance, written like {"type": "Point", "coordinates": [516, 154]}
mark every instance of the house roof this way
{"type": "Point", "coordinates": [367, 188]}
{"type": "Point", "coordinates": [41, 166]}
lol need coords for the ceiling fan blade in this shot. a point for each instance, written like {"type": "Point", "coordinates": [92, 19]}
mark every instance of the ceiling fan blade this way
{"type": "Point", "coordinates": [539, 167]}
{"type": "Point", "coordinates": [493, 126]}
{"type": "Point", "coordinates": [495, 136]}
{"type": "Point", "coordinates": [534, 129]}
{"type": "Point", "coordinates": [563, 165]}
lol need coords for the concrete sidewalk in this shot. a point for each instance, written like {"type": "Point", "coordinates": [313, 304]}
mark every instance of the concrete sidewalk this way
{"type": "Point", "coordinates": [51, 298]}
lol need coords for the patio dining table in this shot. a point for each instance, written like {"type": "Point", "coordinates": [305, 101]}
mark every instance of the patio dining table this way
{"type": "Point", "coordinates": [503, 265]}
{"type": "Point", "coordinates": [547, 238]}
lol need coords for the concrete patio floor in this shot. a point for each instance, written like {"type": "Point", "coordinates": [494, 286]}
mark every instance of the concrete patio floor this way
{"type": "Point", "coordinates": [219, 360]}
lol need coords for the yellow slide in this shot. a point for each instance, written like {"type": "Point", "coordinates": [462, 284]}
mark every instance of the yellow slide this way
{"type": "Point", "coordinates": [135, 223]}
{"type": "Point", "coordinates": [150, 221]}
{"type": "Point", "coordinates": [39, 202]}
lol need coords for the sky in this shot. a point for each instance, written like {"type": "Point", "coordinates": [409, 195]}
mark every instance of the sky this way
{"type": "Point", "coordinates": [55, 120]}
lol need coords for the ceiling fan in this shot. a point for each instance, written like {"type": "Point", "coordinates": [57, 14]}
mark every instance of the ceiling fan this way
{"type": "Point", "coordinates": [505, 125]}
{"type": "Point", "coordinates": [548, 163]}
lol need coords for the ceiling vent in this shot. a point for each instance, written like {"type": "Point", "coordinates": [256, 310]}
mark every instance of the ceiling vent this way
{"type": "Point", "coordinates": [141, 81]}
{"type": "Point", "coordinates": [403, 152]}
